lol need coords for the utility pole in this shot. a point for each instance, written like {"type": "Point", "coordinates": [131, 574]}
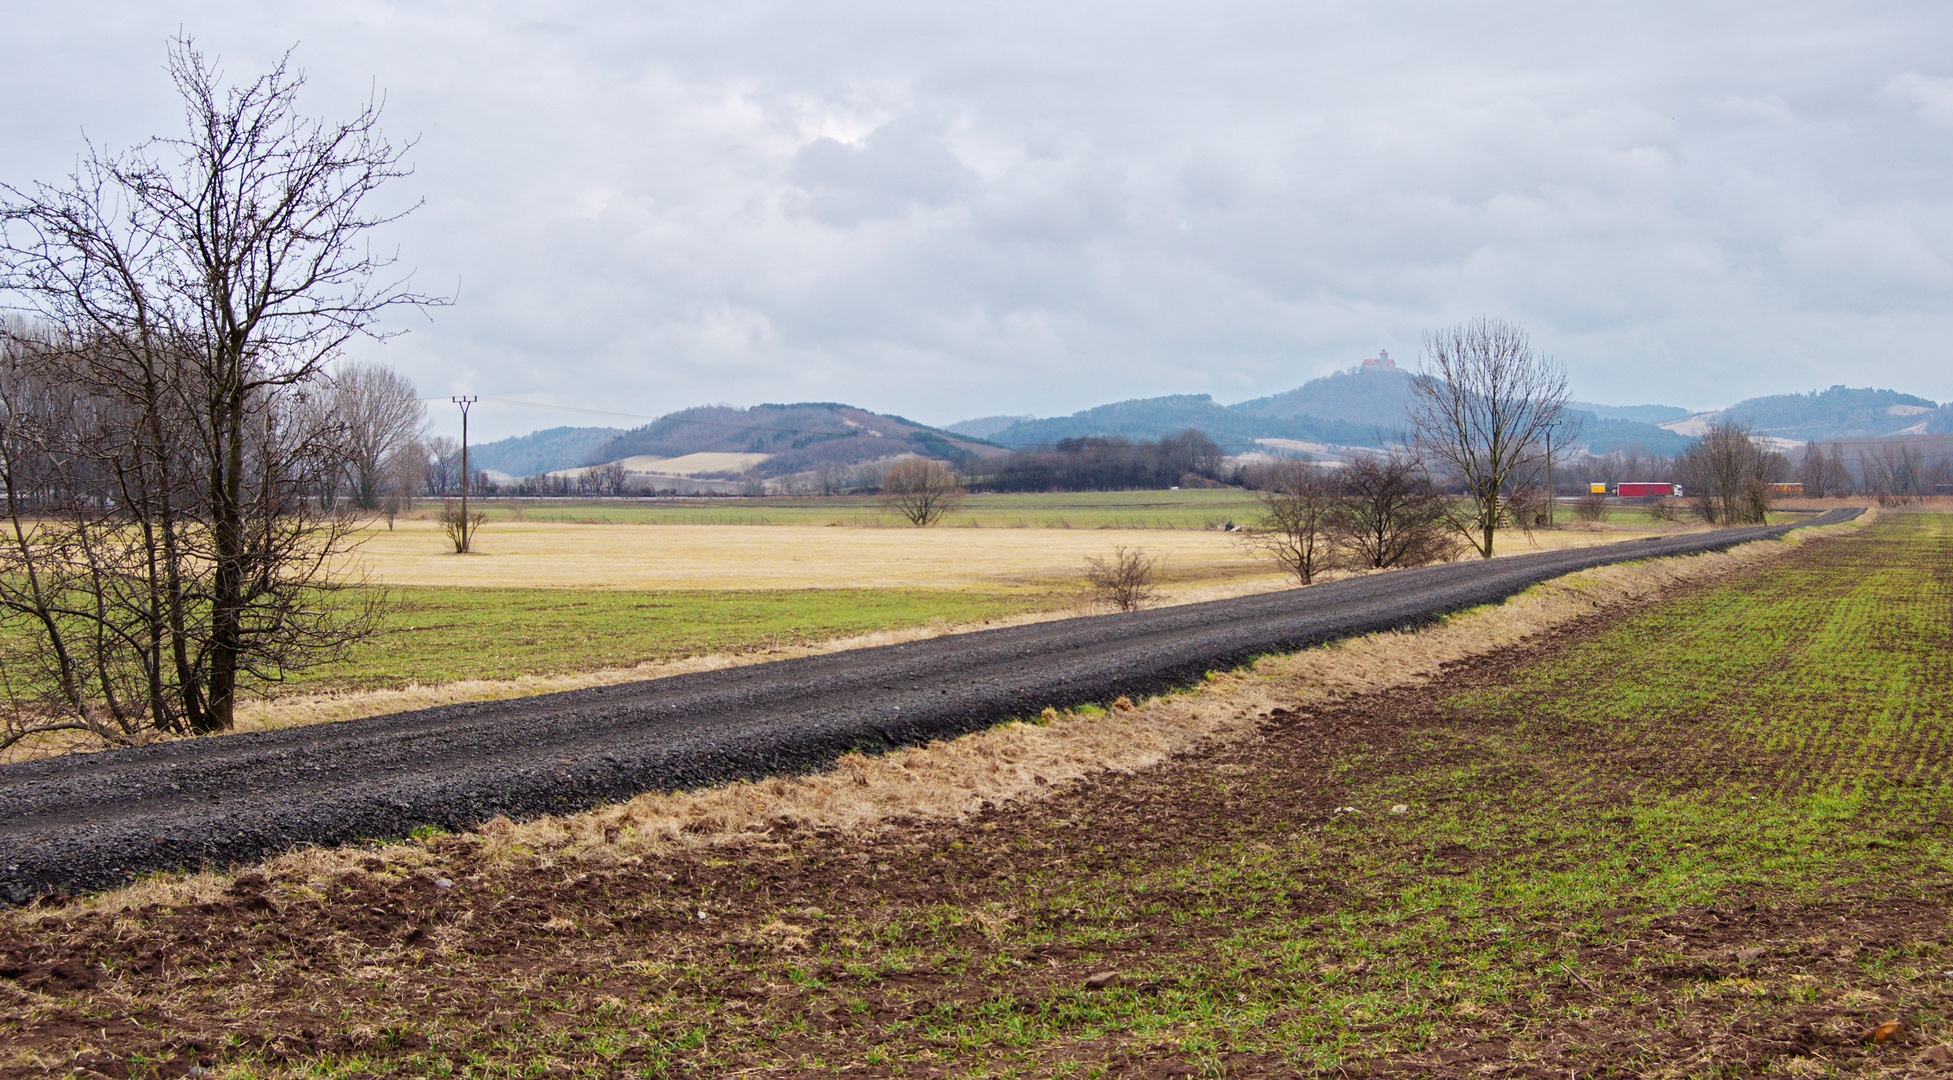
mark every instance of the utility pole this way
{"type": "Point", "coordinates": [467, 529]}
{"type": "Point", "coordinates": [1552, 497]}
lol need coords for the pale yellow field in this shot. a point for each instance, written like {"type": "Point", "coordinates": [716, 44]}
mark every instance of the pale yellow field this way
{"type": "Point", "coordinates": [613, 556]}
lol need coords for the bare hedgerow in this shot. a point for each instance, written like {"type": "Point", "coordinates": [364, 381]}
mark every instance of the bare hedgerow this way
{"type": "Point", "coordinates": [1125, 581]}
{"type": "Point", "coordinates": [1390, 514]}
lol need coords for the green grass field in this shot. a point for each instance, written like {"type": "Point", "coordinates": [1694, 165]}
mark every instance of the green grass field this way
{"type": "Point", "coordinates": [435, 635]}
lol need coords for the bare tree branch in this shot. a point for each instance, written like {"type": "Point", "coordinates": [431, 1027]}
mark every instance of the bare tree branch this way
{"type": "Point", "coordinates": [188, 294]}
{"type": "Point", "coordinates": [1483, 406]}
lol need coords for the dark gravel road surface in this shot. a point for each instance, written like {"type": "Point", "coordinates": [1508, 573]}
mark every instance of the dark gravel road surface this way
{"type": "Point", "coordinates": [90, 821]}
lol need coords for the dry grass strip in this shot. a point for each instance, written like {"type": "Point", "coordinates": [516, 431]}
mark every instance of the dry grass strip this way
{"type": "Point", "coordinates": [1017, 760]}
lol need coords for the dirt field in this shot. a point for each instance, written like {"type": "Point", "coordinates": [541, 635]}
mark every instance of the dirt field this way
{"type": "Point", "coordinates": [1709, 836]}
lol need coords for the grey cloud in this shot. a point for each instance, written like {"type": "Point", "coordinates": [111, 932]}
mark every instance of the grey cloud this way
{"type": "Point", "coordinates": [901, 165]}
{"type": "Point", "coordinates": [1019, 207]}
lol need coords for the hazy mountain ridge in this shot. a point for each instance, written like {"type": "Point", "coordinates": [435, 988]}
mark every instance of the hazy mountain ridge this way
{"type": "Point", "coordinates": [1372, 396]}
{"type": "Point", "coordinates": [1351, 408]}
{"type": "Point", "coordinates": [983, 427]}
{"type": "Point", "coordinates": [1640, 414]}
{"type": "Point", "coordinates": [1361, 407]}
{"type": "Point", "coordinates": [1148, 419]}
{"type": "Point", "coordinates": [1840, 412]}
{"type": "Point", "coordinates": [797, 438]}
{"type": "Point", "coordinates": [541, 451]}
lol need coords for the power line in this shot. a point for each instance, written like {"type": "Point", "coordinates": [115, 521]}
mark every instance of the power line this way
{"type": "Point", "coordinates": [559, 408]}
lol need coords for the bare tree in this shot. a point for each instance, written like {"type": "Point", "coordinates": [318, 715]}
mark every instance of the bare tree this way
{"type": "Point", "coordinates": [197, 285]}
{"type": "Point", "coordinates": [380, 415]}
{"type": "Point", "coordinates": [1483, 408]}
{"type": "Point", "coordinates": [442, 470]}
{"type": "Point", "coordinates": [1298, 500]}
{"type": "Point", "coordinates": [1389, 514]}
{"type": "Point", "coordinates": [1837, 477]}
{"type": "Point", "coordinates": [1125, 581]}
{"type": "Point", "coordinates": [609, 479]}
{"type": "Point", "coordinates": [1727, 474]}
{"type": "Point", "coordinates": [1811, 472]}
{"type": "Point", "coordinates": [1894, 472]}
{"type": "Point", "coordinates": [920, 490]}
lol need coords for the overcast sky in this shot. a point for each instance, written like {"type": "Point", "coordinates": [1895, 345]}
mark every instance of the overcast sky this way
{"type": "Point", "coordinates": [951, 210]}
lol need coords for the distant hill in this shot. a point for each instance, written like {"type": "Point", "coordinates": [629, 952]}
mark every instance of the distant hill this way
{"type": "Point", "coordinates": [1840, 412]}
{"type": "Point", "coordinates": [985, 426]}
{"type": "Point", "coordinates": [1640, 414]}
{"type": "Point", "coordinates": [1600, 434]}
{"type": "Point", "coordinates": [1371, 396]}
{"type": "Point", "coordinates": [1147, 419]}
{"type": "Point", "coordinates": [795, 438]}
{"type": "Point", "coordinates": [541, 451]}
{"type": "Point", "coordinates": [1377, 397]}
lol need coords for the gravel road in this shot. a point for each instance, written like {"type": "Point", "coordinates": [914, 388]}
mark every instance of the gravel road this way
{"type": "Point", "coordinates": [90, 821]}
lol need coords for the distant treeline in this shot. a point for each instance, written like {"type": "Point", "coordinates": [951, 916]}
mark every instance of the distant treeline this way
{"type": "Point", "coordinates": [1098, 463]}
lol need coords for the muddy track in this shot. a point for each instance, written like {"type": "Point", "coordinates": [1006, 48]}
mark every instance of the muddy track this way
{"type": "Point", "coordinates": [91, 821]}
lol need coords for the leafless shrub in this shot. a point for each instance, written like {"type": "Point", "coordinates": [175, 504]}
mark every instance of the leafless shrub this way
{"type": "Point", "coordinates": [460, 526]}
{"type": "Point", "coordinates": [1389, 514]}
{"type": "Point", "coordinates": [1824, 476]}
{"type": "Point", "coordinates": [1298, 501]}
{"type": "Point", "coordinates": [1590, 507]}
{"type": "Point", "coordinates": [1526, 508]}
{"type": "Point", "coordinates": [920, 490]}
{"type": "Point", "coordinates": [1125, 581]}
{"type": "Point", "coordinates": [1895, 473]}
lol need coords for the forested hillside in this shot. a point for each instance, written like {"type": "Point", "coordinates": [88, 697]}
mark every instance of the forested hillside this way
{"type": "Point", "coordinates": [1840, 412]}
{"type": "Point", "coordinates": [541, 451]}
{"type": "Point", "coordinates": [1151, 419]}
{"type": "Point", "coordinates": [797, 438]}
{"type": "Point", "coordinates": [1367, 397]}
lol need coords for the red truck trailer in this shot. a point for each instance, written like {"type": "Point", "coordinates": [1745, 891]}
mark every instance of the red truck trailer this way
{"type": "Point", "coordinates": [1647, 491]}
